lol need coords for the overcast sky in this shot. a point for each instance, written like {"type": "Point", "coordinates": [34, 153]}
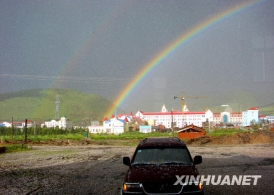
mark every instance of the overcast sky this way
{"type": "Point", "coordinates": [99, 46]}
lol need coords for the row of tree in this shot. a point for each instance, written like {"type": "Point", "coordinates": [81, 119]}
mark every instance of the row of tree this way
{"type": "Point", "coordinates": [8, 131]}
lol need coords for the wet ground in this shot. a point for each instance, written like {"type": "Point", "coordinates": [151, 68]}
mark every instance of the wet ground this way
{"type": "Point", "coordinates": [99, 169]}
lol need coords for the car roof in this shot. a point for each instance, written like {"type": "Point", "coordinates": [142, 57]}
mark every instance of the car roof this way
{"type": "Point", "coordinates": [161, 142]}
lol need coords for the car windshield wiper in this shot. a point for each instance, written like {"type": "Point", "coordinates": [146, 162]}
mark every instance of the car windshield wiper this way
{"type": "Point", "coordinates": [173, 163]}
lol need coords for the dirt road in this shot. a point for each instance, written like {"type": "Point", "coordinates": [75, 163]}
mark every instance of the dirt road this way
{"type": "Point", "coordinates": [99, 169]}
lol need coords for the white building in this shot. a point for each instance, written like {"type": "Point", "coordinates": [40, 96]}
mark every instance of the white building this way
{"type": "Point", "coordinates": [145, 129]}
{"type": "Point", "coordinates": [226, 117]}
{"type": "Point", "coordinates": [114, 125]}
{"type": "Point", "coordinates": [5, 124]}
{"type": "Point", "coordinates": [179, 119]}
{"type": "Point", "coordinates": [96, 129]}
{"type": "Point", "coordinates": [252, 114]}
{"type": "Point", "coordinates": [270, 119]}
{"type": "Point", "coordinates": [19, 125]}
{"type": "Point", "coordinates": [62, 123]}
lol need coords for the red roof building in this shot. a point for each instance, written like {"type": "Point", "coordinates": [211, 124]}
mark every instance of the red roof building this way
{"type": "Point", "coordinates": [191, 131]}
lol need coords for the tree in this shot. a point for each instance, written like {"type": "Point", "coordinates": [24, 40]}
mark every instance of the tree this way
{"type": "Point", "coordinates": [254, 125]}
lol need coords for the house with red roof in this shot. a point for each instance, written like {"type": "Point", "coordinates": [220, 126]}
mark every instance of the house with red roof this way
{"type": "Point", "coordinates": [191, 131]}
{"type": "Point", "coordinates": [249, 116]}
{"type": "Point", "coordinates": [114, 125]}
{"type": "Point", "coordinates": [179, 119]}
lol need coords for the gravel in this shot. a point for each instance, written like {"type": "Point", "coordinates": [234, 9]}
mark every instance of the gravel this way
{"type": "Point", "coordinates": [99, 170]}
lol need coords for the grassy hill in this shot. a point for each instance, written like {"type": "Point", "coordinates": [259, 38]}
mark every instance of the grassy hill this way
{"type": "Point", "coordinates": [267, 110]}
{"type": "Point", "coordinates": [39, 105]}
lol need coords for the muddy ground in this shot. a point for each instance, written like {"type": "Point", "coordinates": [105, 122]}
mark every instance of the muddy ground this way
{"type": "Point", "coordinates": [98, 169]}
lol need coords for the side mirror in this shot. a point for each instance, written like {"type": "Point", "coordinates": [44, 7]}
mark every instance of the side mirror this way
{"type": "Point", "coordinates": [126, 161]}
{"type": "Point", "coordinates": [197, 159]}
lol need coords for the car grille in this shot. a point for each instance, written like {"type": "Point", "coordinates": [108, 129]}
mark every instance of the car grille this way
{"type": "Point", "coordinates": [161, 188]}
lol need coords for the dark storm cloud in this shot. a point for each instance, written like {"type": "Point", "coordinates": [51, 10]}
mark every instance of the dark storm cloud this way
{"type": "Point", "coordinates": [98, 46]}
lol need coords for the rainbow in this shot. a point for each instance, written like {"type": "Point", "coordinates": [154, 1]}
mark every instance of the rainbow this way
{"type": "Point", "coordinates": [184, 38]}
{"type": "Point", "coordinates": [82, 50]}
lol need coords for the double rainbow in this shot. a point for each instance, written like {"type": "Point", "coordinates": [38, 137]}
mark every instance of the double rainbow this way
{"type": "Point", "coordinates": [184, 38]}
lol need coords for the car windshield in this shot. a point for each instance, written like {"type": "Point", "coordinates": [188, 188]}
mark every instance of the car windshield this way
{"type": "Point", "coordinates": [162, 156]}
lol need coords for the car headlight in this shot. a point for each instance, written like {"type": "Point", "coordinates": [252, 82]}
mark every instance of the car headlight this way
{"type": "Point", "coordinates": [193, 187]}
{"type": "Point", "coordinates": [131, 187]}
{"type": "Point", "coordinates": [200, 186]}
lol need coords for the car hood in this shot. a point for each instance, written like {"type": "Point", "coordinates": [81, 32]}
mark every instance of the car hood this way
{"type": "Point", "coordinates": [156, 173]}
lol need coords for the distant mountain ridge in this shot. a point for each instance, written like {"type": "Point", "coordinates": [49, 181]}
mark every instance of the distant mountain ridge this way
{"type": "Point", "coordinates": [79, 107]}
{"type": "Point", "coordinates": [39, 105]}
{"type": "Point", "coordinates": [23, 93]}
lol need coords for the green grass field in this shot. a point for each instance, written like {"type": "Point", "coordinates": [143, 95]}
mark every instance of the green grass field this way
{"type": "Point", "coordinates": [16, 147]}
{"type": "Point", "coordinates": [43, 137]}
{"type": "Point", "coordinates": [129, 135]}
{"type": "Point", "coordinates": [125, 139]}
{"type": "Point", "coordinates": [135, 135]}
{"type": "Point", "coordinates": [220, 132]}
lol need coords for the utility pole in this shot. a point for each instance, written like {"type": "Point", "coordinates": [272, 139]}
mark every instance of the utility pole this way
{"type": "Point", "coordinates": [26, 130]}
{"type": "Point", "coordinates": [12, 128]}
{"type": "Point", "coordinates": [34, 130]}
{"type": "Point", "coordinates": [209, 130]}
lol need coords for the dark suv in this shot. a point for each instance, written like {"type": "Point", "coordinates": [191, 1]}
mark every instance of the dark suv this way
{"type": "Point", "coordinates": [161, 166]}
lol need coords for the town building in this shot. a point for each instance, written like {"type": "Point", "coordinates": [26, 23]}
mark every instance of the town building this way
{"type": "Point", "coordinates": [249, 116]}
{"type": "Point", "coordinates": [182, 119]}
{"type": "Point", "coordinates": [145, 129]}
{"type": "Point", "coordinates": [178, 119]}
{"type": "Point", "coordinates": [5, 124]}
{"type": "Point", "coordinates": [62, 123]}
{"type": "Point", "coordinates": [270, 119]}
{"type": "Point", "coordinates": [234, 118]}
{"type": "Point", "coordinates": [18, 124]}
{"type": "Point", "coordinates": [96, 129]}
{"type": "Point", "coordinates": [190, 131]}
{"type": "Point", "coordinates": [117, 124]}
{"type": "Point", "coordinates": [114, 125]}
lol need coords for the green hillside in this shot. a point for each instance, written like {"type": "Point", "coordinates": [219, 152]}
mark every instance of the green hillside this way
{"type": "Point", "coordinates": [267, 110]}
{"type": "Point", "coordinates": [39, 105]}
